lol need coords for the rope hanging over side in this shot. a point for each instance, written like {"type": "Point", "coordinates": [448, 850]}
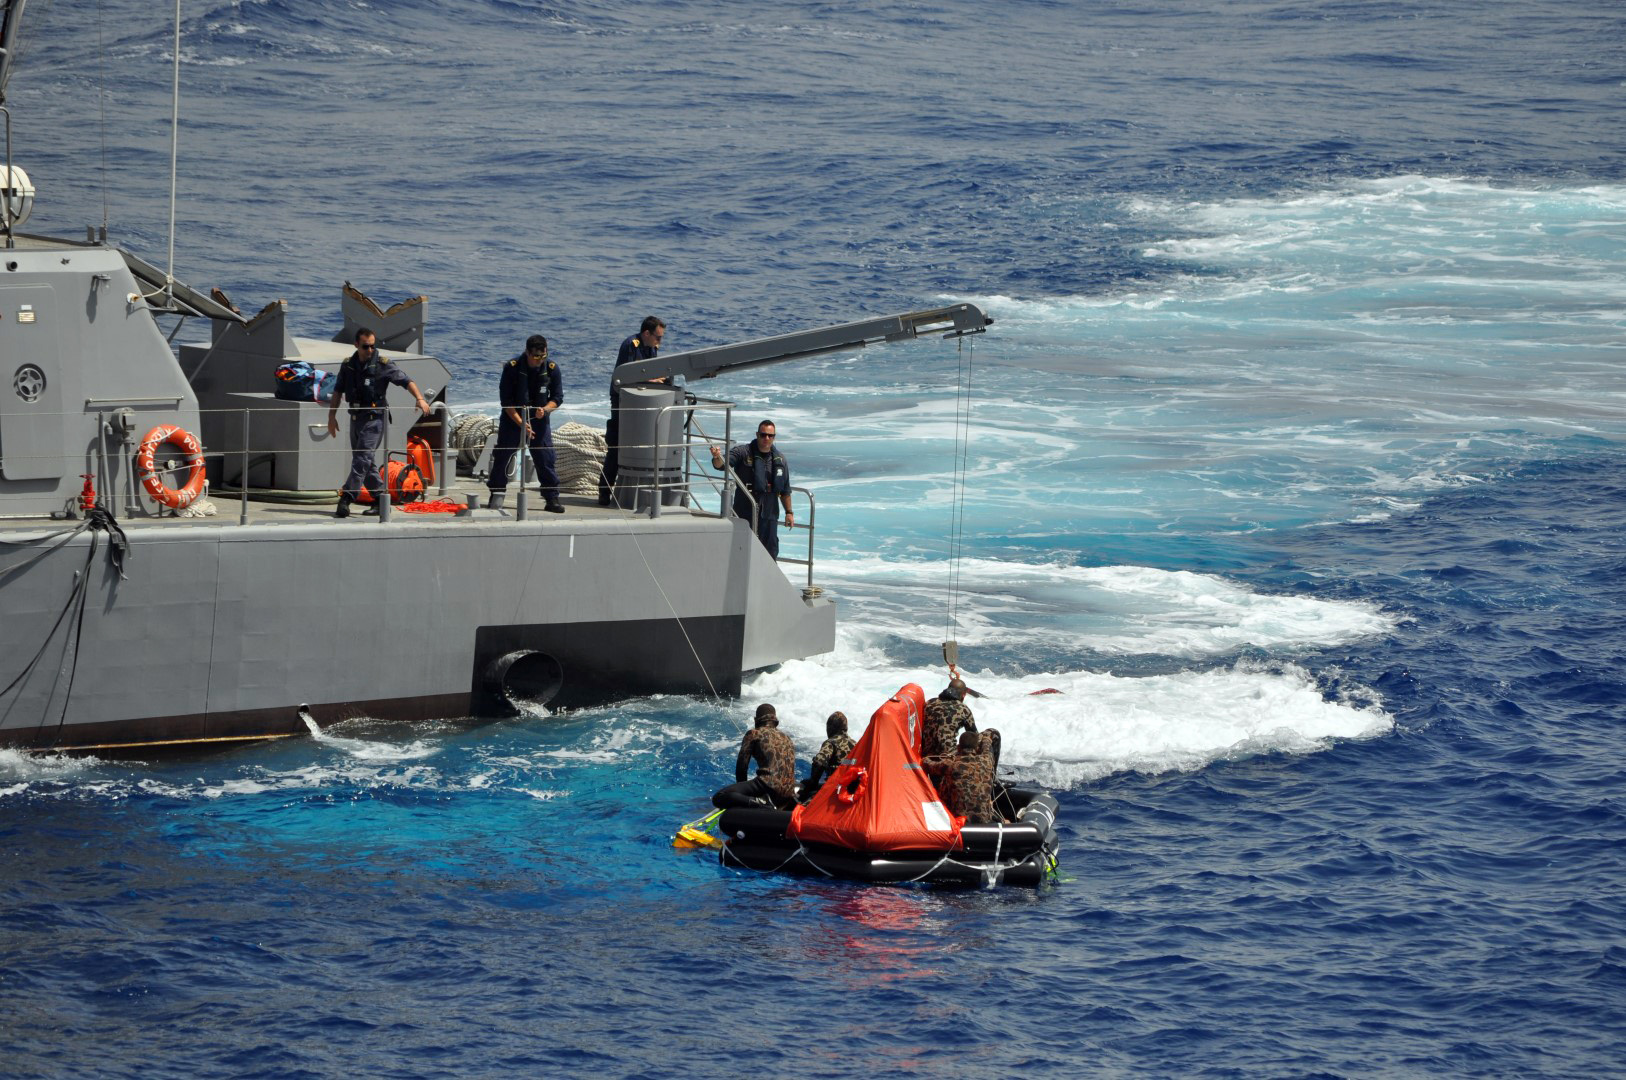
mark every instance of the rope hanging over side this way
{"type": "Point", "coordinates": [97, 520]}
{"type": "Point", "coordinates": [580, 451]}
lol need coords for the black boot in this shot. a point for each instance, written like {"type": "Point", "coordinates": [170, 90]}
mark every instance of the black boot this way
{"type": "Point", "coordinates": [343, 510]}
{"type": "Point", "coordinates": [554, 506]}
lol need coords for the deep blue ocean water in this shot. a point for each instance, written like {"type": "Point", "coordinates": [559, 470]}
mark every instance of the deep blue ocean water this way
{"type": "Point", "coordinates": [1296, 463]}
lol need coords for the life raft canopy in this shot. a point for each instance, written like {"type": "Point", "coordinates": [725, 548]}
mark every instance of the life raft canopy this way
{"type": "Point", "coordinates": [880, 798]}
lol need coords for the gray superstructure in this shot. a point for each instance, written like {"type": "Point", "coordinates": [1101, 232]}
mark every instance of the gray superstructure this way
{"type": "Point", "coordinates": [129, 625]}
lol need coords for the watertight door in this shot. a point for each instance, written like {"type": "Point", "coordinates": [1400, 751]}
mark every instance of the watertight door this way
{"type": "Point", "coordinates": [31, 420]}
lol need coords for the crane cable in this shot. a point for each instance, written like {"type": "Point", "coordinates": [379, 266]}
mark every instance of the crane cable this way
{"type": "Point", "coordinates": [962, 435]}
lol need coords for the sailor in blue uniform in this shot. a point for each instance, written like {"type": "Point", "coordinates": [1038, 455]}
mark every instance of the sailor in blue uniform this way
{"type": "Point", "coordinates": [763, 471]}
{"type": "Point", "coordinates": [364, 378]}
{"type": "Point", "coordinates": [640, 346]}
{"type": "Point", "coordinates": [529, 391]}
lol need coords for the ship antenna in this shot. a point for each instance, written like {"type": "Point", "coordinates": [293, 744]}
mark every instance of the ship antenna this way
{"type": "Point", "coordinates": [174, 144]}
{"type": "Point", "coordinates": [101, 97]}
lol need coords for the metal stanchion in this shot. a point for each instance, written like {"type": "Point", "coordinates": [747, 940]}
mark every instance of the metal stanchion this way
{"type": "Point", "coordinates": [445, 442]}
{"type": "Point", "coordinates": [242, 481]}
{"type": "Point", "coordinates": [384, 489]}
{"type": "Point", "coordinates": [102, 468]}
{"type": "Point", "coordinates": [524, 461]}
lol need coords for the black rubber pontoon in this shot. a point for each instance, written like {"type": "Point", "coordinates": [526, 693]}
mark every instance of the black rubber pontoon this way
{"type": "Point", "coordinates": [1022, 852]}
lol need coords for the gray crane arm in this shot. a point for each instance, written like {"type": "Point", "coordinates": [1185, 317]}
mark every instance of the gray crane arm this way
{"type": "Point", "coordinates": [951, 321]}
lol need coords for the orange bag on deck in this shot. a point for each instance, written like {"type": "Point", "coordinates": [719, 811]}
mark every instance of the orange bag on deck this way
{"type": "Point", "coordinates": [405, 481]}
{"type": "Point", "coordinates": [423, 456]}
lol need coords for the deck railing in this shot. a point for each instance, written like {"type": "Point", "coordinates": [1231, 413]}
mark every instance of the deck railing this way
{"type": "Point", "coordinates": [115, 428]}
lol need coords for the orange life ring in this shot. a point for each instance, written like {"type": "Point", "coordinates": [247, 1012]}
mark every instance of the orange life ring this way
{"type": "Point", "coordinates": [187, 443]}
{"type": "Point", "coordinates": [850, 792]}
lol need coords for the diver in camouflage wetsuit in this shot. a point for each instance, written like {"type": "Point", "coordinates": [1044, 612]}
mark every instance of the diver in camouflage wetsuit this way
{"type": "Point", "coordinates": [774, 785]}
{"type": "Point", "coordinates": [965, 779]}
{"type": "Point", "coordinates": [946, 714]}
{"type": "Point", "coordinates": [831, 754]}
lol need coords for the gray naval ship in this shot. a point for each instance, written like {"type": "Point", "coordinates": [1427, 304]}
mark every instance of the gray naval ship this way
{"type": "Point", "coordinates": [127, 623]}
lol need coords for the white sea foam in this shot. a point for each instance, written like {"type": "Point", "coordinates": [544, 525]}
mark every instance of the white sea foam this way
{"type": "Point", "coordinates": [374, 750]}
{"type": "Point", "coordinates": [1098, 723]}
{"type": "Point", "coordinates": [1116, 610]}
{"type": "Point", "coordinates": [1410, 335]}
{"type": "Point", "coordinates": [20, 770]}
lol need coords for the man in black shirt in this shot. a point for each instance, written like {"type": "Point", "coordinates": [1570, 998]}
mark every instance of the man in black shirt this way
{"type": "Point", "coordinates": [763, 471]}
{"type": "Point", "coordinates": [640, 346]}
{"type": "Point", "coordinates": [363, 379]}
{"type": "Point", "coordinates": [530, 390]}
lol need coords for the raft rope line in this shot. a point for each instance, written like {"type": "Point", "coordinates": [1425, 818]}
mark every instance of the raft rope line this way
{"type": "Point", "coordinates": [948, 859]}
{"type": "Point", "coordinates": [625, 517]}
{"type": "Point", "coordinates": [988, 871]}
{"type": "Point", "coordinates": [469, 434]}
{"type": "Point", "coordinates": [1037, 811]}
{"type": "Point", "coordinates": [800, 850]}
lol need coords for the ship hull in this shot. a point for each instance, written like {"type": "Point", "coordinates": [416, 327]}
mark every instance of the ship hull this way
{"type": "Point", "coordinates": [219, 633]}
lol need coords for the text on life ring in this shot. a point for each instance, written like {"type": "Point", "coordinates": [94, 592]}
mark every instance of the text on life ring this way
{"type": "Point", "coordinates": [183, 441]}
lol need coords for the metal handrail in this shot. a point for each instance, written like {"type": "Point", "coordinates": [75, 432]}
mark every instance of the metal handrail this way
{"type": "Point", "coordinates": [698, 405]}
{"type": "Point", "coordinates": [812, 512]}
{"type": "Point", "coordinates": [115, 423]}
{"type": "Point", "coordinates": [730, 485]}
{"type": "Point", "coordinates": [108, 447]}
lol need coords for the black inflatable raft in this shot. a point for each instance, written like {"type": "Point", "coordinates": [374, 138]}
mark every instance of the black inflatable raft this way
{"type": "Point", "coordinates": [1020, 853]}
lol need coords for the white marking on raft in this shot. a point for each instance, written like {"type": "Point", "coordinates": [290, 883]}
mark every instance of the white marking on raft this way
{"type": "Point", "coordinates": [936, 817]}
